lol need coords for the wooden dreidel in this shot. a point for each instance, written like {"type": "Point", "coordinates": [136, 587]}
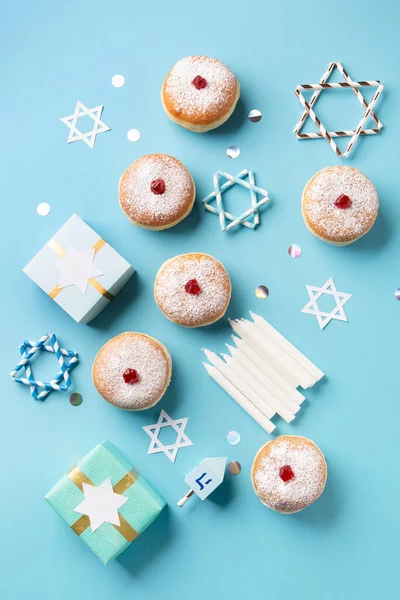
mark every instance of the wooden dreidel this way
{"type": "Point", "coordinates": [204, 478]}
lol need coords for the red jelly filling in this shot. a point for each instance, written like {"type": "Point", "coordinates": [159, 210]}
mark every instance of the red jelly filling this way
{"type": "Point", "coordinates": [343, 201]}
{"type": "Point", "coordinates": [192, 287]}
{"type": "Point", "coordinates": [286, 473]}
{"type": "Point", "coordinates": [158, 186]}
{"type": "Point", "coordinates": [131, 376]}
{"type": "Point", "coordinates": [199, 82]}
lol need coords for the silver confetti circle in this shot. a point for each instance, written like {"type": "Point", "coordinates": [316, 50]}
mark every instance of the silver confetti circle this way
{"type": "Point", "coordinates": [294, 250]}
{"type": "Point", "coordinates": [133, 135]}
{"type": "Point", "coordinates": [234, 467]}
{"type": "Point", "coordinates": [118, 81]}
{"type": "Point", "coordinates": [262, 292]}
{"type": "Point", "coordinates": [397, 293]}
{"type": "Point", "coordinates": [76, 399]}
{"type": "Point", "coordinates": [233, 438]}
{"type": "Point", "coordinates": [43, 209]}
{"type": "Point", "coordinates": [255, 115]}
{"type": "Point", "coordinates": [233, 152]}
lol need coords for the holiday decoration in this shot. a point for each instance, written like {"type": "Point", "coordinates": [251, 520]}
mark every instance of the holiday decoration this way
{"type": "Point", "coordinates": [231, 181]}
{"type": "Point", "coordinates": [41, 389]}
{"type": "Point", "coordinates": [329, 135]}
{"type": "Point", "coordinates": [72, 123]}
{"type": "Point", "coordinates": [204, 478]}
{"type": "Point", "coordinates": [105, 501]}
{"type": "Point", "coordinates": [324, 317]}
{"type": "Point", "coordinates": [79, 270]}
{"type": "Point", "coordinates": [170, 450]}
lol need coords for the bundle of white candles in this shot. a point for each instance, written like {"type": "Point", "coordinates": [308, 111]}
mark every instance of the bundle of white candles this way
{"type": "Point", "coordinates": [263, 371]}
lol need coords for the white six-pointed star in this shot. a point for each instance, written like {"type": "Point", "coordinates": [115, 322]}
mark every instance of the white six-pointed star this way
{"type": "Point", "coordinates": [337, 312]}
{"type": "Point", "coordinates": [98, 126]}
{"type": "Point", "coordinates": [101, 504]}
{"type": "Point", "coordinates": [170, 450]}
{"type": "Point", "coordinates": [76, 267]}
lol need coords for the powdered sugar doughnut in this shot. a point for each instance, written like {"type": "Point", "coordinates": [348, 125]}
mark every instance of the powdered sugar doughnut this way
{"type": "Point", "coordinates": [289, 473]}
{"type": "Point", "coordinates": [192, 289]}
{"type": "Point", "coordinates": [156, 191]}
{"type": "Point", "coordinates": [132, 371]}
{"type": "Point", "coordinates": [200, 93]}
{"type": "Point", "coordinates": [339, 205]}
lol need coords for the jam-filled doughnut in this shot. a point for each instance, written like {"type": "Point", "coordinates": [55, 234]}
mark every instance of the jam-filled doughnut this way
{"type": "Point", "coordinates": [289, 473]}
{"type": "Point", "coordinates": [200, 93]}
{"type": "Point", "coordinates": [132, 371]}
{"type": "Point", "coordinates": [156, 191]}
{"type": "Point", "coordinates": [339, 205]}
{"type": "Point", "coordinates": [192, 289]}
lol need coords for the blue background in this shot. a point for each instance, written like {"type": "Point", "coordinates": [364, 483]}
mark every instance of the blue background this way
{"type": "Point", "coordinates": [230, 546]}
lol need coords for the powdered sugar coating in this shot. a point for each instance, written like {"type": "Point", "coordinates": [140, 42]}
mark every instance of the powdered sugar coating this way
{"type": "Point", "coordinates": [188, 309]}
{"type": "Point", "coordinates": [132, 351]}
{"type": "Point", "coordinates": [202, 106]}
{"type": "Point", "coordinates": [144, 207]}
{"type": "Point", "coordinates": [336, 224]}
{"type": "Point", "coordinates": [309, 467]}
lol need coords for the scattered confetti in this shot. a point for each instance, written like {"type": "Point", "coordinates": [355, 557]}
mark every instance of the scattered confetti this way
{"type": "Point", "coordinates": [255, 115]}
{"type": "Point", "coordinates": [76, 399]}
{"type": "Point", "coordinates": [233, 438]}
{"type": "Point", "coordinates": [133, 135]}
{"type": "Point", "coordinates": [118, 81]}
{"type": "Point", "coordinates": [43, 209]}
{"type": "Point", "coordinates": [233, 152]}
{"type": "Point", "coordinates": [262, 292]}
{"type": "Point", "coordinates": [234, 467]}
{"type": "Point", "coordinates": [294, 250]}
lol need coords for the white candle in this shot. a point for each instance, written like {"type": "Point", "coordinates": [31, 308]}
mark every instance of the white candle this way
{"type": "Point", "coordinates": [242, 386]}
{"type": "Point", "coordinates": [257, 387]}
{"type": "Point", "coordinates": [280, 397]}
{"type": "Point", "coordinates": [280, 357]}
{"type": "Point", "coordinates": [294, 352]}
{"type": "Point", "coordinates": [266, 368]}
{"type": "Point", "coordinates": [239, 398]}
{"type": "Point", "coordinates": [256, 342]}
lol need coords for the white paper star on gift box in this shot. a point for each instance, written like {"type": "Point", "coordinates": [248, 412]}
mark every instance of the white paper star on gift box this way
{"type": "Point", "coordinates": [76, 268]}
{"type": "Point", "coordinates": [101, 504]}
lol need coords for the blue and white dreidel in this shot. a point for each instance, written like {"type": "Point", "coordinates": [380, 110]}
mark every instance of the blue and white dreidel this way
{"type": "Point", "coordinates": [204, 478]}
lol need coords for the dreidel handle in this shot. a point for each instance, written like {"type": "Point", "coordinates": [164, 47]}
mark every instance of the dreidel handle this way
{"type": "Point", "coordinates": [185, 498]}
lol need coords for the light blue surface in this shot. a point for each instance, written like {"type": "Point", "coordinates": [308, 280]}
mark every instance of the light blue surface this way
{"type": "Point", "coordinates": [230, 546]}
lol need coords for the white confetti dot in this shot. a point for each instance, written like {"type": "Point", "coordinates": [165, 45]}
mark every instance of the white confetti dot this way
{"type": "Point", "coordinates": [133, 135]}
{"type": "Point", "coordinates": [43, 209]}
{"type": "Point", "coordinates": [233, 152]}
{"type": "Point", "coordinates": [118, 81]}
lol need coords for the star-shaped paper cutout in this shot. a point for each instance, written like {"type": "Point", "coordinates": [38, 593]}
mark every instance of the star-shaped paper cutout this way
{"type": "Point", "coordinates": [337, 312]}
{"type": "Point", "coordinates": [170, 450]}
{"type": "Point", "coordinates": [231, 180]}
{"type": "Point", "coordinates": [347, 83]}
{"type": "Point", "coordinates": [76, 267]}
{"type": "Point", "coordinates": [41, 389]}
{"type": "Point", "coordinates": [98, 126]}
{"type": "Point", "coordinates": [101, 504]}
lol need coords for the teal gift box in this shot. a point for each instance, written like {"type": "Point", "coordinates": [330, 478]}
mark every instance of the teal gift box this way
{"type": "Point", "coordinates": [141, 504]}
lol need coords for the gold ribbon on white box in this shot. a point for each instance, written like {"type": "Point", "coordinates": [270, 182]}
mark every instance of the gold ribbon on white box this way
{"type": "Point", "coordinates": [62, 254]}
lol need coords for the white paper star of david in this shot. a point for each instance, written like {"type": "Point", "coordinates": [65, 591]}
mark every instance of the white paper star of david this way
{"type": "Point", "coordinates": [337, 312]}
{"type": "Point", "coordinates": [98, 126]}
{"type": "Point", "coordinates": [170, 450]}
{"type": "Point", "coordinates": [76, 268]}
{"type": "Point", "coordinates": [101, 504]}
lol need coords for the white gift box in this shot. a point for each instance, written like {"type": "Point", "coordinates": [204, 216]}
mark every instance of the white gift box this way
{"type": "Point", "coordinates": [79, 270]}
